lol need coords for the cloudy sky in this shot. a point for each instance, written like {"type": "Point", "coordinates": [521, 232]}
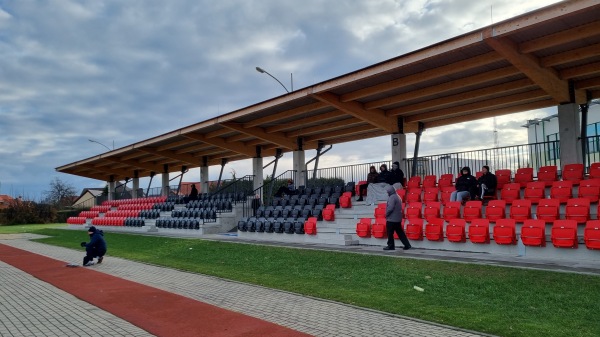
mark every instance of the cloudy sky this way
{"type": "Point", "coordinates": [124, 71]}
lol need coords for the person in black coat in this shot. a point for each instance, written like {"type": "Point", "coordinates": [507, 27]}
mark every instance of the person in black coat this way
{"type": "Point", "coordinates": [397, 174]}
{"type": "Point", "coordinates": [466, 186]}
{"type": "Point", "coordinates": [384, 176]}
{"type": "Point", "coordinates": [95, 248]}
{"type": "Point", "coordinates": [194, 193]}
{"type": "Point", "coordinates": [486, 184]}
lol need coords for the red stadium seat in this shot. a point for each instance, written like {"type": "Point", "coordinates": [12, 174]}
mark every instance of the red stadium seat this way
{"type": "Point", "coordinates": [472, 210]}
{"type": "Point", "coordinates": [548, 174]}
{"type": "Point", "coordinates": [446, 192]}
{"type": "Point", "coordinates": [562, 190]}
{"type": "Point", "coordinates": [455, 230]}
{"type": "Point", "coordinates": [510, 192]}
{"type": "Point", "coordinates": [589, 189]}
{"type": "Point", "coordinates": [310, 226]}
{"type": "Point", "coordinates": [548, 210]}
{"type": "Point", "coordinates": [429, 181]}
{"type": "Point", "coordinates": [357, 188]}
{"type": "Point", "coordinates": [346, 200]}
{"type": "Point", "coordinates": [496, 209]}
{"type": "Point", "coordinates": [533, 233]}
{"type": "Point", "coordinates": [505, 232]}
{"type": "Point", "coordinates": [414, 229]}
{"type": "Point", "coordinates": [478, 174]}
{"type": "Point", "coordinates": [578, 209]}
{"type": "Point", "coordinates": [432, 210]}
{"type": "Point", "coordinates": [573, 172]}
{"type": "Point", "coordinates": [520, 210]}
{"type": "Point", "coordinates": [591, 234]}
{"type": "Point", "coordinates": [413, 210]}
{"type": "Point", "coordinates": [503, 177]}
{"type": "Point", "coordinates": [329, 213]}
{"type": "Point", "coordinates": [434, 230]}
{"type": "Point", "coordinates": [431, 194]}
{"type": "Point", "coordinates": [446, 180]}
{"type": "Point", "coordinates": [402, 193]}
{"type": "Point", "coordinates": [414, 195]}
{"type": "Point", "coordinates": [535, 191]}
{"type": "Point", "coordinates": [594, 171]}
{"type": "Point", "coordinates": [564, 234]}
{"type": "Point", "coordinates": [414, 182]}
{"type": "Point", "coordinates": [479, 231]}
{"type": "Point", "coordinates": [379, 229]}
{"type": "Point", "coordinates": [380, 211]}
{"type": "Point", "coordinates": [363, 228]}
{"type": "Point", "coordinates": [452, 210]}
{"type": "Point", "coordinates": [523, 176]}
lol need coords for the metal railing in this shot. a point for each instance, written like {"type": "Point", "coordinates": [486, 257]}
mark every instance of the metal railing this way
{"type": "Point", "coordinates": [264, 195]}
{"type": "Point", "coordinates": [344, 174]}
{"type": "Point", "coordinates": [243, 185]}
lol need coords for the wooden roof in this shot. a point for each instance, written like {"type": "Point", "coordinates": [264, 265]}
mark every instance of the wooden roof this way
{"type": "Point", "coordinates": [536, 60]}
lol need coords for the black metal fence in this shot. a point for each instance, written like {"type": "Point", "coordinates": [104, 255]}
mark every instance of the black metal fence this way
{"type": "Point", "coordinates": [264, 195]}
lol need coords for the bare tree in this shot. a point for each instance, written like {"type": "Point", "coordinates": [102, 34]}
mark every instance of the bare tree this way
{"type": "Point", "coordinates": [61, 194]}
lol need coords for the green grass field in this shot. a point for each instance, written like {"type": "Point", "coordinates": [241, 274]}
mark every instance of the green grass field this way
{"type": "Point", "coordinates": [497, 300]}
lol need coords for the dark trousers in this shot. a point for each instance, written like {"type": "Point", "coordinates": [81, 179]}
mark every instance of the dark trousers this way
{"type": "Point", "coordinates": [361, 189]}
{"type": "Point", "coordinates": [396, 227]}
{"type": "Point", "coordinates": [91, 253]}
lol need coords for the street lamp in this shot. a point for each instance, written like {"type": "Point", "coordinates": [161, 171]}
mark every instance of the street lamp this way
{"type": "Point", "coordinates": [262, 71]}
{"type": "Point", "coordinates": [97, 142]}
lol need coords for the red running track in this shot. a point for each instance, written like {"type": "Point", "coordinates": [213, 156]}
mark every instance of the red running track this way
{"type": "Point", "coordinates": [157, 311]}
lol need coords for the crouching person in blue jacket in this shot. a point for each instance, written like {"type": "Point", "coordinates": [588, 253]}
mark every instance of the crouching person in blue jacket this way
{"type": "Point", "coordinates": [95, 248]}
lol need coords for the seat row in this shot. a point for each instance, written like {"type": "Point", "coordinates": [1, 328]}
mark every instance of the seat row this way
{"type": "Point", "coordinates": [101, 208]}
{"type": "Point", "coordinates": [76, 220]}
{"type": "Point", "coordinates": [294, 212]}
{"type": "Point", "coordinates": [504, 232]}
{"type": "Point", "coordinates": [548, 210]}
{"type": "Point", "coordinates": [117, 203]}
{"type": "Point", "coordinates": [279, 225]}
{"type": "Point", "coordinates": [207, 214]}
{"type": "Point", "coordinates": [178, 223]}
{"type": "Point", "coordinates": [218, 205]}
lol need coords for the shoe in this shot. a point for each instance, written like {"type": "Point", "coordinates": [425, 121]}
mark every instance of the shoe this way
{"type": "Point", "coordinates": [405, 248]}
{"type": "Point", "coordinates": [389, 248]}
{"type": "Point", "coordinates": [91, 263]}
{"type": "Point", "coordinates": [100, 259]}
{"type": "Point", "coordinates": [359, 199]}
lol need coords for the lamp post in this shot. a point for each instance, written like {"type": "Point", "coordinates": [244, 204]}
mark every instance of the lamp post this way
{"type": "Point", "coordinates": [262, 71]}
{"type": "Point", "coordinates": [97, 142]}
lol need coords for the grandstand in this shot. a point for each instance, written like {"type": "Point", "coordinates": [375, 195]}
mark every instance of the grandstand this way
{"type": "Point", "coordinates": [546, 58]}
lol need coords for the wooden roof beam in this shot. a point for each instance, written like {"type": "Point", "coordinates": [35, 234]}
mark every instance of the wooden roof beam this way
{"type": "Point", "coordinates": [447, 86]}
{"type": "Point", "coordinates": [588, 84]}
{"type": "Point", "coordinates": [545, 78]}
{"type": "Point", "coordinates": [325, 127]}
{"type": "Point", "coordinates": [586, 69]}
{"type": "Point", "coordinates": [238, 147]}
{"type": "Point", "coordinates": [285, 114]}
{"type": "Point", "coordinates": [137, 165]}
{"type": "Point", "coordinates": [571, 56]}
{"type": "Point", "coordinates": [275, 137]}
{"type": "Point", "coordinates": [174, 144]}
{"type": "Point", "coordinates": [562, 37]}
{"type": "Point", "coordinates": [316, 119]}
{"type": "Point", "coordinates": [374, 117]}
{"type": "Point", "coordinates": [340, 133]}
{"type": "Point", "coordinates": [185, 158]}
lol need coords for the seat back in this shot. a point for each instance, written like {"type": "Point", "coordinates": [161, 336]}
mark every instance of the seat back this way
{"type": "Point", "coordinates": [523, 176]}
{"type": "Point", "coordinates": [578, 209]}
{"type": "Point", "coordinates": [510, 192]}
{"type": "Point", "coordinates": [534, 191]}
{"type": "Point", "coordinates": [401, 193]}
{"type": "Point", "coordinates": [413, 210]}
{"type": "Point", "coordinates": [564, 234]}
{"type": "Point", "coordinates": [503, 177]}
{"type": "Point", "coordinates": [455, 230]}
{"type": "Point", "coordinates": [589, 189]}
{"type": "Point", "coordinates": [472, 210]}
{"type": "Point", "coordinates": [414, 182]}
{"type": "Point", "coordinates": [310, 226]}
{"type": "Point", "coordinates": [363, 228]}
{"type": "Point", "coordinates": [346, 200]}
{"type": "Point", "coordinates": [414, 229]}
{"type": "Point", "coordinates": [432, 210]}
{"type": "Point", "coordinates": [446, 180]}
{"type": "Point", "coordinates": [548, 210]}
{"type": "Point", "coordinates": [379, 229]}
{"type": "Point", "coordinates": [380, 211]}
{"type": "Point", "coordinates": [505, 232]}
{"type": "Point", "coordinates": [594, 171]}
{"type": "Point", "coordinates": [533, 233]}
{"type": "Point", "coordinates": [452, 210]}
{"type": "Point", "coordinates": [413, 195]}
{"type": "Point", "coordinates": [548, 174]}
{"type": "Point", "coordinates": [479, 231]}
{"type": "Point", "coordinates": [445, 194]}
{"type": "Point", "coordinates": [434, 230]}
{"type": "Point", "coordinates": [495, 209]}
{"type": "Point", "coordinates": [430, 181]}
{"type": "Point", "coordinates": [573, 172]}
{"type": "Point", "coordinates": [431, 194]}
{"type": "Point", "coordinates": [562, 190]}
{"type": "Point", "coordinates": [591, 234]}
{"type": "Point", "coordinates": [520, 210]}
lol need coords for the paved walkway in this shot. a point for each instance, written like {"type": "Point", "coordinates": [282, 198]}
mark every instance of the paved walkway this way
{"type": "Point", "coordinates": [30, 307]}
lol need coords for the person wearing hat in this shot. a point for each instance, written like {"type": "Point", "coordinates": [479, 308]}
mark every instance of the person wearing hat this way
{"type": "Point", "coordinates": [397, 175]}
{"type": "Point", "coordinates": [371, 179]}
{"type": "Point", "coordinates": [466, 186]}
{"type": "Point", "coordinates": [95, 248]}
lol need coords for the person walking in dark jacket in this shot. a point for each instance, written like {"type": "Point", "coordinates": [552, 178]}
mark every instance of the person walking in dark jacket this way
{"type": "Point", "coordinates": [393, 217]}
{"type": "Point", "coordinates": [95, 248]}
{"type": "Point", "coordinates": [466, 186]}
{"type": "Point", "coordinates": [486, 184]}
{"type": "Point", "coordinates": [371, 179]}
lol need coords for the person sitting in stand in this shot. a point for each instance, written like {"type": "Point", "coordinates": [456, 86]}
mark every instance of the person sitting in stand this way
{"type": "Point", "coordinates": [377, 191]}
{"type": "Point", "coordinates": [193, 193]}
{"type": "Point", "coordinates": [371, 179]}
{"type": "Point", "coordinates": [466, 186]}
{"type": "Point", "coordinates": [290, 189]}
{"type": "Point", "coordinates": [397, 176]}
{"type": "Point", "coordinates": [486, 184]}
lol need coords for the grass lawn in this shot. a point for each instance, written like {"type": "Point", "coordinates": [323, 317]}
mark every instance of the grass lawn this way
{"type": "Point", "coordinates": [496, 300]}
{"type": "Point", "coordinates": [16, 229]}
